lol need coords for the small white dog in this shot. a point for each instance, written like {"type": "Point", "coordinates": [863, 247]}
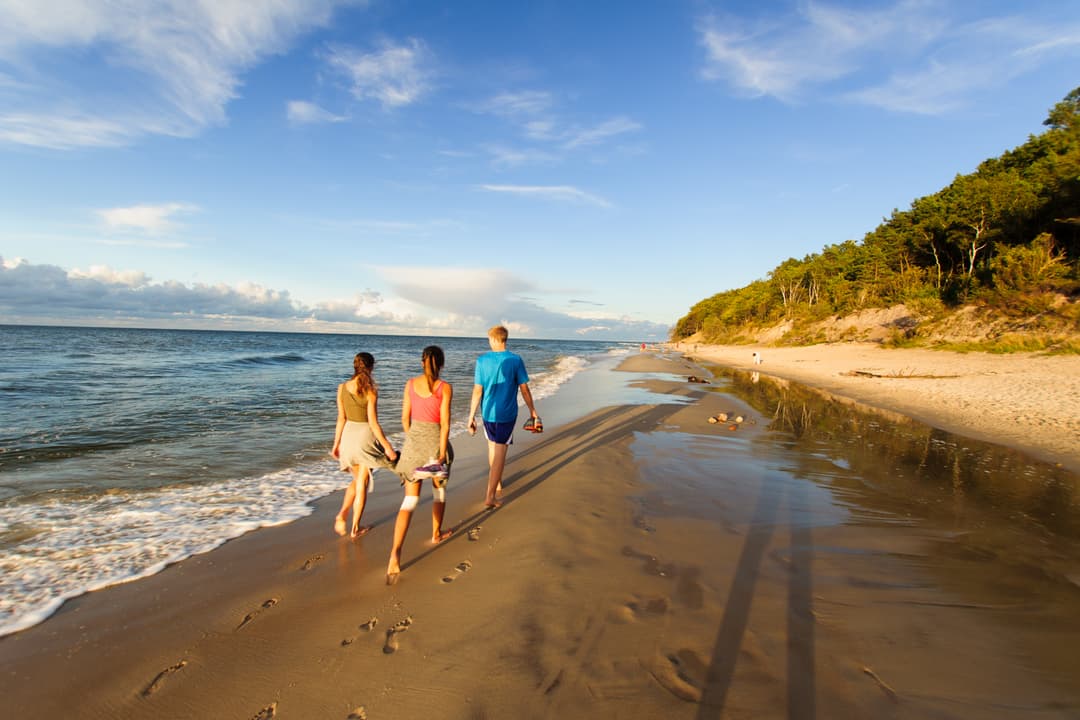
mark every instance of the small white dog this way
{"type": "Point", "coordinates": [757, 358]}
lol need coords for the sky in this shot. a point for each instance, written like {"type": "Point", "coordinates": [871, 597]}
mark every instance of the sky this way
{"type": "Point", "coordinates": [584, 170]}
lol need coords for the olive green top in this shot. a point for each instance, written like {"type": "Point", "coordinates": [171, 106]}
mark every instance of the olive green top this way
{"type": "Point", "coordinates": [355, 407]}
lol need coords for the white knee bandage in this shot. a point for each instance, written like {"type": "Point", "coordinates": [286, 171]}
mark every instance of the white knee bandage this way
{"type": "Point", "coordinates": [439, 494]}
{"type": "Point", "coordinates": [410, 502]}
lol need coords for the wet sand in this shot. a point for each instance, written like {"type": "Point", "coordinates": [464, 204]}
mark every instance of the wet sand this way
{"type": "Point", "coordinates": [646, 564]}
{"type": "Point", "coordinates": [1029, 401]}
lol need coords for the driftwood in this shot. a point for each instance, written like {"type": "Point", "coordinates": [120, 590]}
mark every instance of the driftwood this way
{"type": "Point", "coordinates": [896, 375]}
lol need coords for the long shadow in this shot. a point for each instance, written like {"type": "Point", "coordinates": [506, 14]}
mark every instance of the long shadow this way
{"type": "Point", "coordinates": [801, 678]}
{"type": "Point", "coordinates": [649, 419]}
{"type": "Point", "coordinates": [737, 609]}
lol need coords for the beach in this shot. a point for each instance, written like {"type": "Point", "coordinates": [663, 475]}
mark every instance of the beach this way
{"type": "Point", "coordinates": [1029, 401]}
{"type": "Point", "coordinates": [646, 563]}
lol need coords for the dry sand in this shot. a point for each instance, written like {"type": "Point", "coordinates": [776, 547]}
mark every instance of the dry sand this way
{"type": "Point", "coordinates": [646, 564]}
{"type": "Point", "coordinates": [1023, 400]}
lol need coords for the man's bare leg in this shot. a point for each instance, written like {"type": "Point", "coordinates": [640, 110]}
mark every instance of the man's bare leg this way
{"type": "Point", "coordinates": [496, 462]}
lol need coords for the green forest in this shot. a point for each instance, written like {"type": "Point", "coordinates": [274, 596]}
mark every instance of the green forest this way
{"type": "Point", "coordinates": [1005, 238]}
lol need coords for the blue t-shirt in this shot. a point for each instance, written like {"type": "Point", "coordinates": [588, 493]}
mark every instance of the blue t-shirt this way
{"type": "Point", "coordinates": [500, 374]}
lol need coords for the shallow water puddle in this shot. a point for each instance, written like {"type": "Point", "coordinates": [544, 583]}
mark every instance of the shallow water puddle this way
{"type": "Point", "coordinates": [950, 553]}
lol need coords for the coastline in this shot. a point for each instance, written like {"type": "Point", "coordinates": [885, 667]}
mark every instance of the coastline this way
{"type": "Point", "coordinates": [1027, 401]}
{"type": "Point", "coordinates": [645, 564]}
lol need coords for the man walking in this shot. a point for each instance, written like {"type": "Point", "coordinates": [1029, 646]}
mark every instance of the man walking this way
{"type": "Point", "coordinates": [499, 375]}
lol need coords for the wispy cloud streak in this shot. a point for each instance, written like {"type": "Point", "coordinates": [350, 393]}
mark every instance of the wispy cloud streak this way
{"type": "Point", "coordinates": [912, 56]}
{"type": "Point", "coordinates": [176, 64]}
{"type": "Point", "coordinates": [564, 193]}
{"type": "Point", "coordinates": [152, 219]}
{"type": "Point", "coordinates": [302, 112]}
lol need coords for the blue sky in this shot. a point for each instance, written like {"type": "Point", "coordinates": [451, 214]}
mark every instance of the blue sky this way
{"type": "Point", "coordinates": [572, 169]}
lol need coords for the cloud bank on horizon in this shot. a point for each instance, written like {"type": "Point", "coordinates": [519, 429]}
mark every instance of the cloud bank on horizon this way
{"type": "Point", "coordinates": [471, 301]}
{"type": "Point", "coordinates": [460, 170]}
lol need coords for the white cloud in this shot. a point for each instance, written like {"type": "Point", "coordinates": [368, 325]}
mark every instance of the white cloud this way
{"type": "Point", "coordinates": [466, 303]}
{"type": "Point", "coordinates": [565, 193]}
{"type": "Point", "coordinates": [503, 156]}
{"type": "Point", "coordinates": [933, 90]}
{"type": "Point", "coordinates": [527, 103]}
{"type": "Point", "coordinates": [61, 133]}
{"type": "Point", "coordinates": [599, 133]}
{"type": "Point", "coordinates": [911, 56]}
{"type": "Point", "coordinates": [365, 307]}
{"type": "Point", "coordinates": [533, 111]}
{"type": "Point", "coordinates": [395, 75]}
{"type": "Point", "coordinates": [168, 67]}
{"type": "Point", "coordinates": [301, 112]}
{"type": "Point", "coordinates": [153, 219]}
{"type": "Point", "coordinates": [975, 58]}
{"type": "Point", "coordinates": [471, 300]}
{"type": "Point", "coordinates": [108, 276]}
{"type": "Point", "coordinates": [28, 290]}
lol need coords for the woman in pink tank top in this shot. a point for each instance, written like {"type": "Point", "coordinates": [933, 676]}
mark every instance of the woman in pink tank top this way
{"type": "Point", "coordinates": [427, 452]}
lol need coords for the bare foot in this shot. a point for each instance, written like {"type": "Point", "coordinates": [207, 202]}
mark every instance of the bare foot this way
{"type": "Point", "coordinates": [393, 569]}
{"type": "Point", "coordinates": [339, 525]}
{"type": "Point", "coordinates": [359, 531]}
{"type": "Point", "coordinates": [436, 539]}
{"type": "Point", "coordinates": [493, 505]}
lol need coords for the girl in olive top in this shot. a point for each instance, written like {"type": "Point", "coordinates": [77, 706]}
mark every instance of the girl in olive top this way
{"type": "Point", "coordinates": [359, 443]}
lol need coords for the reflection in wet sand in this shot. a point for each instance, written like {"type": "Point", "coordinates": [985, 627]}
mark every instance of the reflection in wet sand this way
{"type": "Point", "coordinates": [943, 571]}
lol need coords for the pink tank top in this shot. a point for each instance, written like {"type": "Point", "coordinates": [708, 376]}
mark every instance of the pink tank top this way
{"type": "Point", "coordinates": [427, 409]}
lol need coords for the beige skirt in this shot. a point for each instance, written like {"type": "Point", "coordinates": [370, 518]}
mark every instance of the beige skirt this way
{"type": "Point", "coordinates": [359, 447]}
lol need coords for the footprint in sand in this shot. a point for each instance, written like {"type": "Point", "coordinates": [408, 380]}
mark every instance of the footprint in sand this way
{"type": "Point", "coordinates": [311, 562]}
{"type": "Point", "coordinates": [391, 645]}
{"type": "Point", "coordinates": [266, 713]}
{"type": "Point", "coordinates": [251, 615]}
{"type": "Point", "coordinates": [689, 590]}
{"type": "Point", "coordinates": [358, 714]}
{"type": "Point", "coordinates": [682, 674]}
{"type": "Point", "coordinates": [652, 565]}
{"type": "Point", "coordinates": [155, 684]}
{"type": "Point", "coordinates": [462, 567]}
{"type": "Point", "coordinates": [474, 534]}
{"type": "Point", "coordinates": [370, 624]}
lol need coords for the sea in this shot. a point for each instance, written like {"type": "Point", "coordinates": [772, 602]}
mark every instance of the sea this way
{"type": "Point", "coordinates": [125, 450]}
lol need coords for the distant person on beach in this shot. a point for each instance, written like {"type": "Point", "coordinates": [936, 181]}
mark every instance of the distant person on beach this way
{"type": "Point", "coordinates": [499, 375]}
{"type": "Point", "coordinates": [427, 452]}
{"type": "Point", "coordinates": [359, 443]}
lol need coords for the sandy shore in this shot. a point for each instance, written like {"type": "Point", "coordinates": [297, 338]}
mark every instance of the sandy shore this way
{"type": "Point", "coordinates": [646, 564]}
{"type": "Point", "coordinates": [1027, 401]}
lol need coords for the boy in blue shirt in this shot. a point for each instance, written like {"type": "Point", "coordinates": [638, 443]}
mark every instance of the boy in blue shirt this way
{"type": "Point", "coordinates": [499, 375]}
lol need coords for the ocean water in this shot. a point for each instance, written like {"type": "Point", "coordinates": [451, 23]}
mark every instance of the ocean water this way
{"type": "Point", "coordinates": [123, 450]}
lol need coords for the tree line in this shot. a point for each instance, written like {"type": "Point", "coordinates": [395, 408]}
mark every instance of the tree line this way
{"type": "Point", "coordinates": [1006, 236]}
